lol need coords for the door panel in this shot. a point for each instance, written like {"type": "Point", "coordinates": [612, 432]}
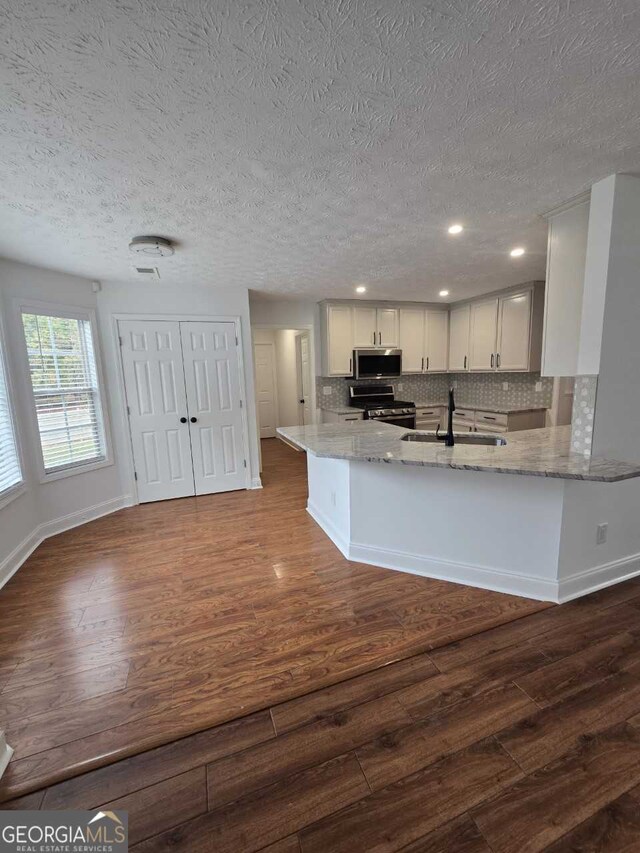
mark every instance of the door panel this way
{"type": "Point", "coordinates": [459, 338]}
{"type": "Point", "coordinates": [154, 383]}
{"type": "Point", "coordinates": [482, 346]}
{"type": "Point", "coordinates": [304, 377]}
{"type": "Point", "coordinates": [212, 378]}
{"type": "Point", "coordinates": [263, 355]}
{"type": "Point", "coordinates": [388, 327]}
{"type": "Point", "coordinates": [340, 335]}
{"type": "Point", "coordinates": [412, 339]}
{"type": "Point", "coordinates": [437, 340]}
{"type": "Point", "coordinates": [514, 331]}
{"type": "Point", "coordinates": [364, 327]}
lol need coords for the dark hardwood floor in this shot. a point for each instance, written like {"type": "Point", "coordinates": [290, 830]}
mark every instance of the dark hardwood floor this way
{"type": "Point", "coordinates": [217, 669]}
{"type": "Point", "coordinates": [523, 738]}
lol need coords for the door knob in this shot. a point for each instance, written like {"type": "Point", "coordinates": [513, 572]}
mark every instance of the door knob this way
{"type": "Point", "coordinates": [193, 420]}
{"type": "Point", "coordinates": [183, 420]}
{"type": "Point", "coordinates": [301, 401]}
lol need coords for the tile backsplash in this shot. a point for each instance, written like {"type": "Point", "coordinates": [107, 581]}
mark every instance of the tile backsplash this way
{"type": "Point", "coordinates": [472, 389]}
{"type": "Point", "coordinates": [584, 406]}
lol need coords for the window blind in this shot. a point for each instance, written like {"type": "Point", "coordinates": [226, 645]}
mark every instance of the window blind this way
{"type": "Point", "coordinates": [65, 390]}
{"type": "Point", "coordinates": [10, 473]}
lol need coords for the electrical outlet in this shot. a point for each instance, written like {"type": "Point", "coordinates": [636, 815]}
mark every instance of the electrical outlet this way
{"type": "Point", "coordinates": [505, 386]}
{"type": "Point", "coordinates": [601, 533]}
{"type": "Point", "coordinates": [538, 386]}
{"type": "Point", "coordinates": [400, 386]}
{"type": "Point", "coordinates": [326, 390]}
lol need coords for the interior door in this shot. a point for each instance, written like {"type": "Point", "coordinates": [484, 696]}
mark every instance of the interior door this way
{"type": "Point", "coordinates": [263, 355]}
{"type": "Point", "coordinates": [482, 337]}
{"type": "Point", "coordinates": [364, 327]}
{"type": "Point", "coordinates": [459, 339]}
{"type": "Point", "coordinates": [437, 340]}
{"type": "Point", "coordinates": [304, 377]}
{"type": "Point", "coordinates": [212, 378]}
{"type": "Point", "coordinates": [157, 403]}
{"type": "Point", "coordinates": [514, 331]}
{"type": "Point", "coordinates": [412, 339]}
{"type": "Point", "coordinates": [388, 327]}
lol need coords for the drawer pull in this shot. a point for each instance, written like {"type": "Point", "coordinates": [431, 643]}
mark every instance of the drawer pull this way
{"type": "Point", "coordinates": [489, 418]}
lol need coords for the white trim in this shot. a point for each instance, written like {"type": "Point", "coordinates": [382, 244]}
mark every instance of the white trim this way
{"type": "Point", "coordinates": [256, 483]}
{"type": "Point", "coordinates": [465, 573]}
{"type": "Point", "coordinates": [75, 313]}
{"type": "Point", "coordinates": [5, 753]}
{"type": "Point", "coordinates": [17, 557]}
{"type": "Point", "coordinates": [13, 492]}
{"type": "Point", "coordinates": [274, 381]}
{"type": "Point", "coordinates": [342, 544]}
{"type": "Point", "coordinates": [582, 583]}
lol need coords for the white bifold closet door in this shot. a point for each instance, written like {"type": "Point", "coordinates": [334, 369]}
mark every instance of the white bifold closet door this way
{"type": "Point", "coordinates": [182, 383]}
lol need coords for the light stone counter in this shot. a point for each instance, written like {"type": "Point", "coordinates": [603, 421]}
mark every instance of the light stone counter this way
{"type": "Point", "coordinates": [538, 452]}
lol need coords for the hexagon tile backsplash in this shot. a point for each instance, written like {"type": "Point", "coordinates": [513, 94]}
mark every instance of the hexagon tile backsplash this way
{"type": "Point", "coordinates": [584, 406]}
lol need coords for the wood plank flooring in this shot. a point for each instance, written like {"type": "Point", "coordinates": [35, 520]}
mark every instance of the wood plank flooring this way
{"type": "Point", "coordinates": [443, 752]}
{"type": "Point", "coordinates": [364, 722]}
{"type": "Point", "coordinates": [167, 619]}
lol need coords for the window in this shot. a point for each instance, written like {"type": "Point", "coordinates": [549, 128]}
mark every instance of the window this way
{"type": "Point", "coordinates": [64, 379]}
{"type": "Point", "coordinates": [10, 473]}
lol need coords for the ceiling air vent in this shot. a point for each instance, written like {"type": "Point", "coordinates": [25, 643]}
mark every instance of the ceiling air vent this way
{"type": "Point", "coordinates": [147, 272]}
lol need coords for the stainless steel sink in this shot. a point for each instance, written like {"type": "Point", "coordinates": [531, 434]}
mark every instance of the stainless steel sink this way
{"type": "Point", "coordinates": [463, 438]}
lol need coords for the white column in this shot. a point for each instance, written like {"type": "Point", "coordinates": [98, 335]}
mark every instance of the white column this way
{"type": "Point", "coordinates": [610, 340]}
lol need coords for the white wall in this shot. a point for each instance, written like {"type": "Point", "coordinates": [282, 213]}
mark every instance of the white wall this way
{"type": "Point", "coordinates": [289, 314]}
{"type": "Point", "coordinates": [43, 504]}
{"type": "Point", "coordinates": [157, 298]}
{"type": "Point", "coordinates": [286, 369]}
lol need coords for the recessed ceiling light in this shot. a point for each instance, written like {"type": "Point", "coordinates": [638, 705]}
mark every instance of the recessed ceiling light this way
{"type": "Point", "coordinates": [455, 229]}
{"type": "Point", "coordinates": [361, 289]}
{"type": "Point", "coordinates": [516, 253]}
{"type": "Point", "coordinates": [444, 293]}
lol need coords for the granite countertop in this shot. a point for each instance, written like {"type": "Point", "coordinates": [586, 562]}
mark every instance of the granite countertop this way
{"type": "Point", "coordinates": [537, 452]}
{"type": "Point", "coordinates": [500, 410]}
{"type": "Point", "coordinates": [480, 407]}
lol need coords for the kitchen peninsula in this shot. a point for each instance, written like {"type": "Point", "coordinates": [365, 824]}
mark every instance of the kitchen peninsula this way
{"type": "Point", "coordinates": [524, 518]}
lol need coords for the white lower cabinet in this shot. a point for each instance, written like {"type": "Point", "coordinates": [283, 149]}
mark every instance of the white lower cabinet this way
{"type": "Point", "coordinates": [429, 418]}
{"type": "Point", "coordinates": [339, 418]}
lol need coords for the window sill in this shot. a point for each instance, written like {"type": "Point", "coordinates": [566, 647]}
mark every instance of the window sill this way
{"type": "Point", "coordinates": [11, 494]}
{"type": "Point", "coordinates": [74, 471]}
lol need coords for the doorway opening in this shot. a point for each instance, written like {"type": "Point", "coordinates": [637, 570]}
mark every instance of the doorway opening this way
{"type": "Point", "coordinates": [284, 377]}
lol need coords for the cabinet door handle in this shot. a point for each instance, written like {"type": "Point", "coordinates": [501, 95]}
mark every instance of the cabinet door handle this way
{"type": "Point", "coordinates": [488, 418]}
{"type": "Point", "coordinates": [491, 359]}
{"type": "Point", "coordinates": [423, 362]}
{"type": "Point", "coordinates": [374, 338]}
{"type": "Point", "coordinates": [350, 370]}
{"type": "Point", "coordinates": [498, 360]}
{"type": "Point", "coordinates": [465, 362]}
{"type": "Point", "coordinates": [427, 362]}
{"type": "Point", "coordinates": [380, 338]}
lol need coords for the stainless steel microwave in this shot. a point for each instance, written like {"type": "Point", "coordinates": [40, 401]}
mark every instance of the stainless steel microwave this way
{"type": "Point", "coordinates": [377, 363]}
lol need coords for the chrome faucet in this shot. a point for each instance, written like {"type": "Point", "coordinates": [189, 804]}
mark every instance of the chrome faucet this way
{"type": "Point", "coordinates": [448, 438]}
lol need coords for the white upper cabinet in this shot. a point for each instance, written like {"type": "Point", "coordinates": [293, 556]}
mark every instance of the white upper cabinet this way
{"type": "Point", "coordinates": [412, 339]}
{"type": "Point", "coordinates": [424, 340]}
{"type": "Point", "coordinates": [339, 338]}
{"type": "Point", "coordinates": [376, 327]}
{"type": "Point", "coordinates": [514, 322]}
{"type": "Point", "coordinates": [459, 338]}
{"type": "Point", "coordinates": [483, 334]}
{"type": "Point", "coordinates": [365, 328]}
{"type": "Point", "coordinates": [388, 327]}
{"type": "Point", "coordinates": [437, 340]}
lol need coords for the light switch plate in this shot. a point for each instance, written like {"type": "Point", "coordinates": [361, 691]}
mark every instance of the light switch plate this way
{"type": "Point", "coordinates": [326, 390]}
{"type": "Point", "coordinates": [538, 386]}
{"type": "Point", "coordinates": [505, 386]}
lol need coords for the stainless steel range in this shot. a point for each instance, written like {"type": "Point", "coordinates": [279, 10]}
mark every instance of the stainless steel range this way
{"type": "Point", "coordinates": [379, 404]}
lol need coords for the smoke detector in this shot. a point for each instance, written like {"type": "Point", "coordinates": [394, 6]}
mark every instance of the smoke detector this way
{"type": "Point", "coordinates": [151, 247]}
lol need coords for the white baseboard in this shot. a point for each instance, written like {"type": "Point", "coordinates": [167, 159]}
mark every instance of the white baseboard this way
{"type": "Point", "coordinates": [5, 753]}
{"type": "Point", "coordinates": [582, 583]}
{"type": "Point", "coordinates": [256, 483]}
{"type": "Point", "coordinates": [332, 532]}
{"type": "Point", "coordinates": [16, 558]}
{"type": "Point", "coordinates": [464, 573]}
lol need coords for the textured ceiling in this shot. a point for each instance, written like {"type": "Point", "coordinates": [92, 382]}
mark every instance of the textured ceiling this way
{"type": "Point", "coordinates": [303, 146]}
